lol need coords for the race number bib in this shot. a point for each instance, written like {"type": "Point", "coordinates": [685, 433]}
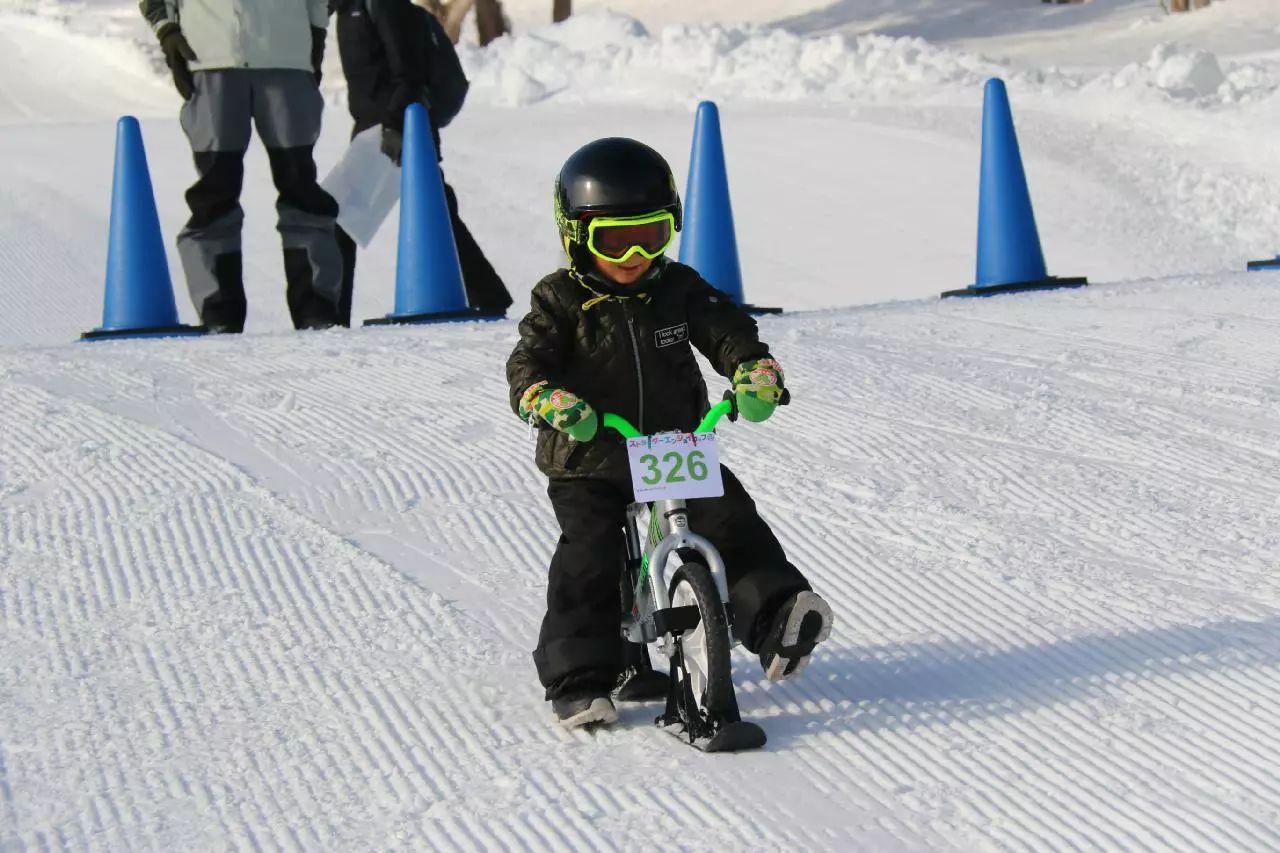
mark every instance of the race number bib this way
{"type": "Point", "coordinates": [673, 465]}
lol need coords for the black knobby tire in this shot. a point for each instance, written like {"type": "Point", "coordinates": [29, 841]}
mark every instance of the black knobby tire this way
{"type": "Point", "coordinates": [711, 656]}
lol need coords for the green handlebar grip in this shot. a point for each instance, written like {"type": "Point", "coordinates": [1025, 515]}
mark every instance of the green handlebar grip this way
{"type": "Point", "coordinates": [621, 425]}
{"type": "Point", "coordinates": [709, 421]}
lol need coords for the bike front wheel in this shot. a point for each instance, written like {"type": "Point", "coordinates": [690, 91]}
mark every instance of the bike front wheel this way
{"type": "Point", "coordinates": [702, 652]}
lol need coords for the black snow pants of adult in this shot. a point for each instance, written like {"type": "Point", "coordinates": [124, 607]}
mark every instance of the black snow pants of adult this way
{"type": "Point", "coordinates": [580, 645]}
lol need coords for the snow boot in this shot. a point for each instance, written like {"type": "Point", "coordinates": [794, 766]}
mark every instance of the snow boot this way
{"type": "Point", "coordinates": [800, 624]}
{"type": "Point", "coordinates": [636, 684]}
{"type": "Point", "coordinates": [584, 708]}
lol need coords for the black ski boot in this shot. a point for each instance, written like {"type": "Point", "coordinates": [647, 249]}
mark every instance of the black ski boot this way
{"type": "Point", "coordinates": [583, 708]}
{"type": "Point", "coordinates": [642, 684]}
{"type": "Point", "coordinates": [800, 624]}
{"type": "Point", "coordinates": [639, 681]}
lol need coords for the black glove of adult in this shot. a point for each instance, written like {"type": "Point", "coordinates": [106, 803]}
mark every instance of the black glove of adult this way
{"type": "Point", "coordinates": [317, 51]}
{"type": "Point", "coordinates": [401, 98]}
{"type": "Point", "coordinates": [177, 55]}
{"type": "Point", "coordinates": [392, 143]}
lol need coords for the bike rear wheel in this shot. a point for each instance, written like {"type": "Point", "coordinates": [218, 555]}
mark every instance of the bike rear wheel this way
{"type": "Point", "coordinates": [702, 652]}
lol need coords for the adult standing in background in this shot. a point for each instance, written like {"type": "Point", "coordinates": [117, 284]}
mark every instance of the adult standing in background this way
{"type": "Point", "coordinates": [239, 63]}
{"type": "Point", "coordinates": [395, 54]}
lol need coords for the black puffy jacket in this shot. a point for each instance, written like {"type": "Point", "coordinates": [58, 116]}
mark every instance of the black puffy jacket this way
{"type": "Point", "coordinates": [627, 354]}
{"type": "Point", "coordinates": [395, 53]}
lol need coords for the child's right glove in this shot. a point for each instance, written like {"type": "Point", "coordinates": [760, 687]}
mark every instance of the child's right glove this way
{"type": "Point", "coordinates": [757, 386]}
{"type": "Point", "coordinates": [563, 409]}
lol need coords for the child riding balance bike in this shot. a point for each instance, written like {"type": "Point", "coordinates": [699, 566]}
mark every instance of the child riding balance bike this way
{"type": "Point", "coordinates": [615, 332]}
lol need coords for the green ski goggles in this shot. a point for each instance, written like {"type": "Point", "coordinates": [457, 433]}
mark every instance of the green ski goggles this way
{"type": "Point", "coordinates": [617, 238]}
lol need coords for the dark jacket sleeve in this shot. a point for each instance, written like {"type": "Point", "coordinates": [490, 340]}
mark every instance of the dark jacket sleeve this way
{"type": "Point", "coordinates": [544, 344]}
{"type": "Point", "coordinates": [721, 331]}
{"type": "Point", "coordinates": [399, 33]}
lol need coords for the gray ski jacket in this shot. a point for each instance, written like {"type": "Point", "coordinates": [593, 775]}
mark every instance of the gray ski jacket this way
{"type": "Point", "coordinates": [243, 33]}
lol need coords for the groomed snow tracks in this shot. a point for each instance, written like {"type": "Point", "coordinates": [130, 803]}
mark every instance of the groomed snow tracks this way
{"type": "Point", "coordinates": [278, 592]}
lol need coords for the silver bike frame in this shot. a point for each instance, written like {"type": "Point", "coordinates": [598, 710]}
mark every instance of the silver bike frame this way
{"type": "Point", "coordinates": [673, 522]}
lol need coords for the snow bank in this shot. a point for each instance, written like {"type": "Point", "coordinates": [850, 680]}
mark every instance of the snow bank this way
{"type": "Point", "coordinates": [1194, 73]}
{"type": "Point", "coordinates": [1190, 74]}
{"type": "Point", "coordinates": [607, 56]}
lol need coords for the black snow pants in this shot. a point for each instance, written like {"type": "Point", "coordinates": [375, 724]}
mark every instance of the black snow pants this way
{"type": "Point", "coordinates": [580, 645]}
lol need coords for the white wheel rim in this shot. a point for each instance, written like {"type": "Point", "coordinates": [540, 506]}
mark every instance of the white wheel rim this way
{"type": "Point", "coordinates": [693, 643]}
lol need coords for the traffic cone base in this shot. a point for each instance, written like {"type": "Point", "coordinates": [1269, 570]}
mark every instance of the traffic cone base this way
{"type": "Point", "coordinates": [437, 317]}
{"type": "Point", "coordinates": [1051, 283]}
{"type": "Point", "coordinates": [178, 331]}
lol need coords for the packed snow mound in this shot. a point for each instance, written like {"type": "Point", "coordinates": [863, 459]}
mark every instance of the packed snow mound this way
{"type": "Point", "coordinates": [1195, 73]}
{"type": "Point", "coordinates": [606, 56]}
{"type": "Point", "coordinates": [1186, 73]}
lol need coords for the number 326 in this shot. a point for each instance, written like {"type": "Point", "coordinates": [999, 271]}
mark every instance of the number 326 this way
{"type": "Point", "coordinates": [694, 463]}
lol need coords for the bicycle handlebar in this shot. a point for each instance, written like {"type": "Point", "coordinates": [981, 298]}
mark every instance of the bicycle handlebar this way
{"type": "Point", "coordinates": [727, 407]}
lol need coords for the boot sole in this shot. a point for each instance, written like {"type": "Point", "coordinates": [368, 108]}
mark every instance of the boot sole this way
{"type": "Point", "coordinates": [808, 624]}
{"type": "Point", "coordinates": [600, 712]}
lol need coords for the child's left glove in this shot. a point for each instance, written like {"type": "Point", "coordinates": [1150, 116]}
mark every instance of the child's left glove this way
{"type": "Point", "coordinates": [757, 386]}
{"type": "Point", "coordinates": [563, 409]}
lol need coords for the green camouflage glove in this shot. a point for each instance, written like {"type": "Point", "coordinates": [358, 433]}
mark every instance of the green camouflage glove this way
{"type": "Point", "coordinates": [757, 385]}
{"type": "Point", "coordinates": [563, 409]}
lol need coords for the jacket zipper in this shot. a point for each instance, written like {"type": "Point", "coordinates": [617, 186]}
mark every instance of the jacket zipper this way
{"type": "Point", "coordinates": [635, 350]}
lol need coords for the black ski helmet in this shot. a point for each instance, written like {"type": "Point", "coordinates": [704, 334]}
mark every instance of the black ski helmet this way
{"type": "Point", "coordinates": [611, 177]}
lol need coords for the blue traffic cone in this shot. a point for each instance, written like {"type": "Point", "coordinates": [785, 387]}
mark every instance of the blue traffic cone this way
{"type": "Point", "coordinates": [429, 285]}
{"type": "Point", "coordinates": [707, 241]}
{"type": "Point", "coordinates": [139, 293]}
{"type": "Point", "coordinates": [1010, 259]}
{"type": "Point", "coordinates": [1258, 266]}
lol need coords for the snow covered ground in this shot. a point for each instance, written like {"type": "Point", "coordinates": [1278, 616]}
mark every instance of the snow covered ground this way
{"type": "Point", "coordinates": [270, 592]}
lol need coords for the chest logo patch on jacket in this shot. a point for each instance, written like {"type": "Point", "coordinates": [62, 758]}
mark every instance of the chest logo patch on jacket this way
{"type": "Point", "coordinates": [671, 335]}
